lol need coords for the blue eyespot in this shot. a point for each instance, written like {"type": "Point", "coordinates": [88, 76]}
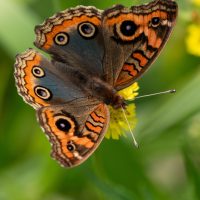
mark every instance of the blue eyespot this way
{"type": "Point", "coordinates": [61, 39]}
{"type": "Point", "coordinates": [43, 93]}
{"type": "Point", "coordinates": [38, 72]}
{"type": "Point", "coordinates": [87, 30]}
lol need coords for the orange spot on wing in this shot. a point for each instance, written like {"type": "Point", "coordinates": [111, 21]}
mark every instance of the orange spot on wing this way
{"type": "Point", "coordinates": [152, 37]}
{"type": "Point", "coordinates": [127, 74]}
{"type": "Point", "coordinates": [163, 15]}
{"type": "Point", "coordinates": [85, 142]}
{"type": "Point", "coordinates": [67, 152]}
{"type": "Point", "coordinates": [97, 118]}
{"type": "Point", "coordinates": [130, 69]}
{"type": "Point", "coordinates": [143, 61]}
{"type": "Point", "coordinates": [89, 145]}
{"type": "Point", "coordinates": [158, 43]}
{"type": "Point", "coordinates": [96, 129]}
{"type": "Point", "coordinates": [119, 19]}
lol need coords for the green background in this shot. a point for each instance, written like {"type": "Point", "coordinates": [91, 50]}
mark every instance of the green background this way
{"type": "Point", "coordinates": [167, 164]}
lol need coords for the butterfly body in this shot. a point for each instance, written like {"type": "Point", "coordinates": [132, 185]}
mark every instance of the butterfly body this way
{"type": "Point", "coordinates": [94, 54]}
{"type": "Point", "coordinates": [92, 85]}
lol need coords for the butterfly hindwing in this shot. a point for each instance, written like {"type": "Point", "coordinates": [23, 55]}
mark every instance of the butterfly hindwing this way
{"type": "Point", "coordinates": [75, 130]}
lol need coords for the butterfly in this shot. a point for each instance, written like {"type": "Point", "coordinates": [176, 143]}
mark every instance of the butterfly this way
{"type": "Point", "coordinates": [94, 54]}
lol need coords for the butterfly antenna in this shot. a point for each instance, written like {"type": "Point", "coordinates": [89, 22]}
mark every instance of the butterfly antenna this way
{"type": "Point", "coordinates": [150, 95]}
{"type": "Point", "coordinates": [134, 140]}
{"type": "Point", "coordinates": [142, 96]}
{"type": "Point", "coordinates": [157, 93]}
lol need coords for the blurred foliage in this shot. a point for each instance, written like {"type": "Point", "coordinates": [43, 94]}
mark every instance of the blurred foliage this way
{"type": "Point", "coordinates": [167, 165]}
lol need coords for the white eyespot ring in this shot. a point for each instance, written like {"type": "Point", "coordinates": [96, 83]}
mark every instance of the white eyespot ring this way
{"type": "Point", "coordinates": [43, 93]}
{"type": "Point", "coordinates": [125, 31]}
{"type": "Point", "coordinates": [87, 30]}
{"type": "Point", "coordinates": [38, 72]}
{"type": "Point", "coordinates": [71, 147]}
{"type": "Point", "coordinates": [61, 39]}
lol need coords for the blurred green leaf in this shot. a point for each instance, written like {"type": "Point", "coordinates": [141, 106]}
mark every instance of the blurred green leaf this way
{"type": "Point", "coordinates": [176, 108]}
{"type": "Point", "coordinates": [193, 173]}
{"type": "Point", "coordinates": [17, 25]}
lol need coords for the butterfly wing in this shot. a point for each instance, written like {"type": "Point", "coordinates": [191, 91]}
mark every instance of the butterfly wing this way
{"type": "Point", "coordinates": [74, 122]}
{"type": "Point", "coordinates": [134, 37]}
{"type": "Point", "coordinates": [74, 36]}
{"type": "Point", "coordinates": [42, 83]}
{"type": "Point", "coordinates": [75, 129]}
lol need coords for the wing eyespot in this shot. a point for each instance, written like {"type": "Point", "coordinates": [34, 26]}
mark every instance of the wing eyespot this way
{"type": "Point", "coordinates": [61, 39]}
{"type": "Point", "coordinates": [155, 22]}
{"type": "Point", "coordinates": [128, 28]}
{"type": "Point", "coordinates": [43, 93]}
{"type": "Point", "coordinates": [87, 30]}
{"type": "Point", "coordinates": [71, 147]}
{"type": "Point", "coordinates": [125, 31]}
{"type": "Point", "coordinates": [63, 124]}
{"type": "Point", "coordinates": [38, 72]}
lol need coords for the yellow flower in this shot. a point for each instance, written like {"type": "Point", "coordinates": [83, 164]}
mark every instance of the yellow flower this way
{"type": "Point", "coordinates": [118, 125]}
{"type": "Point", "coordinates": [193, 39]}
{"type": "Point", "coordinates": [196, 2]}
{"type": "Point", "coordinates": [130, 92]}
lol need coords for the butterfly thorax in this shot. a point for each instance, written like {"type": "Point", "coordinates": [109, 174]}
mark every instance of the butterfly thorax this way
{"type": "Point", "coordinates": [92, 85]}
{"type": "Point", "coordinates": [98, 88]}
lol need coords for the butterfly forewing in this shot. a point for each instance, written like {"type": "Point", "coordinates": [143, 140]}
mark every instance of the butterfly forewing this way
{"type": "Point", "coordinates": [139, 34]}
{"type": "Point", "coordinates": [74, 36]}
{"type": "Point", "coordinates": [40, 83]}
